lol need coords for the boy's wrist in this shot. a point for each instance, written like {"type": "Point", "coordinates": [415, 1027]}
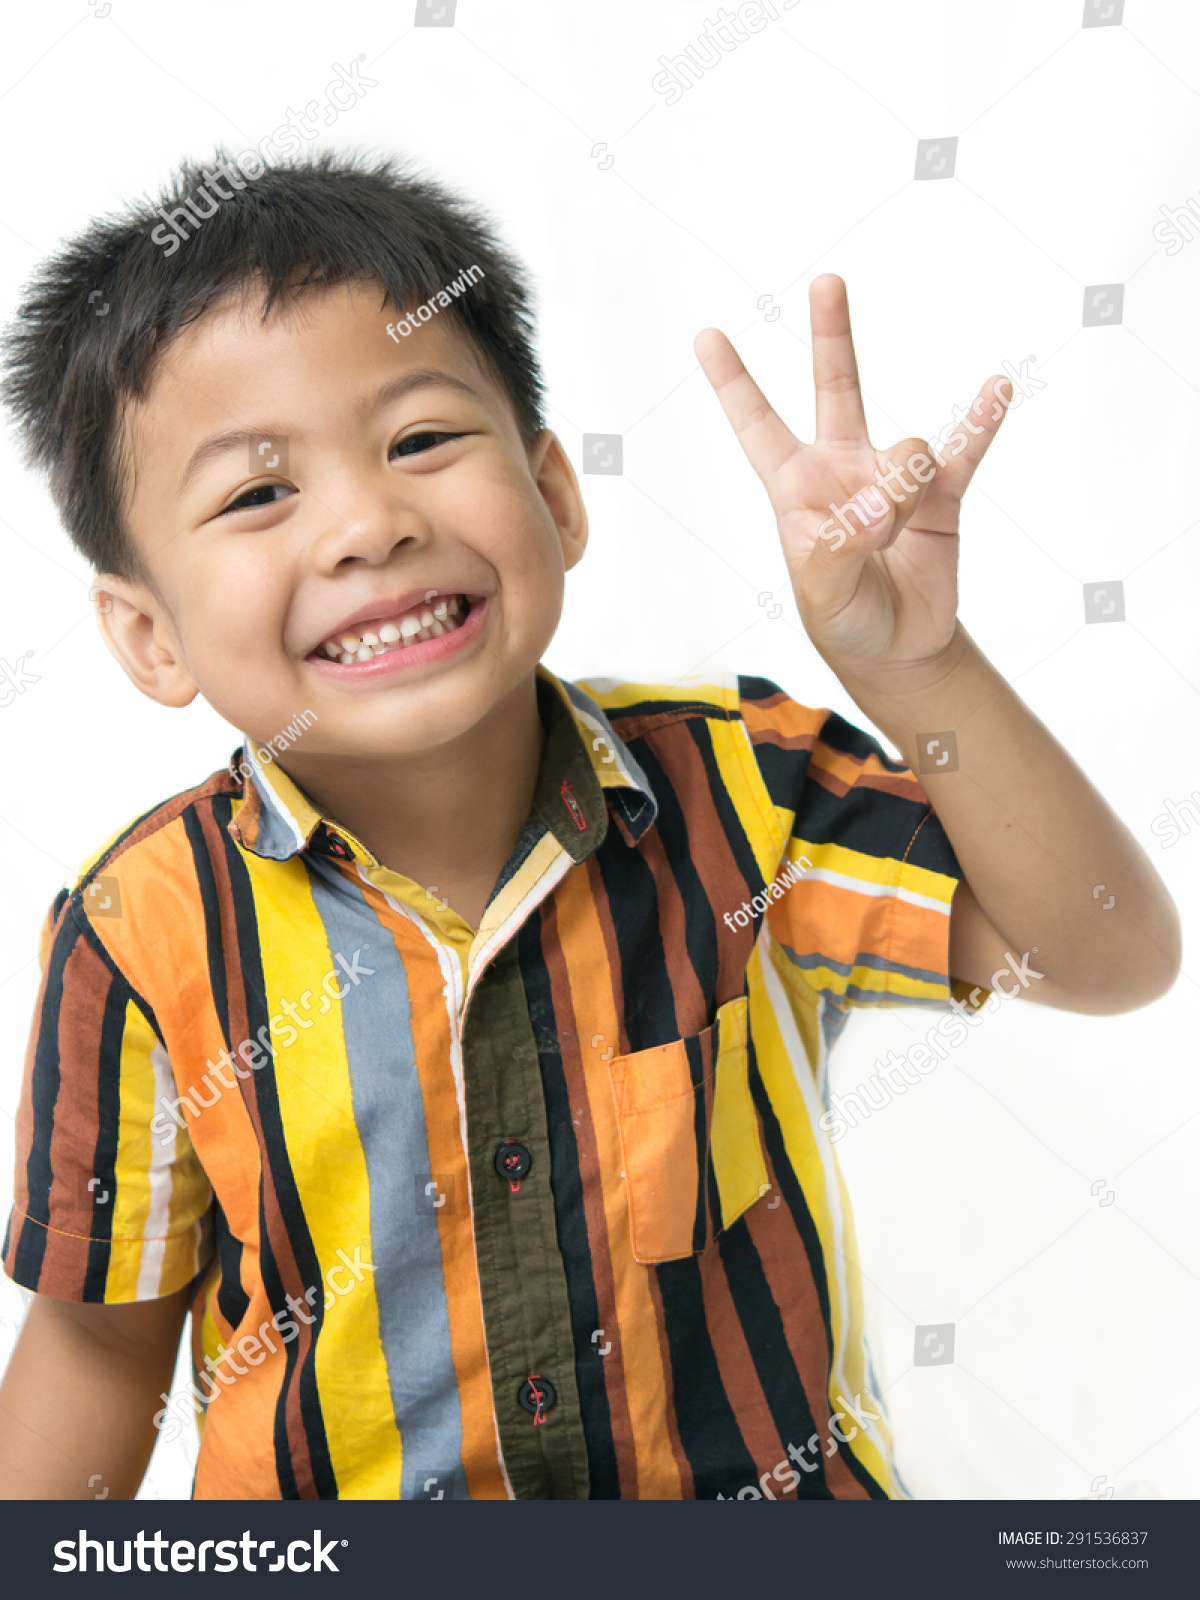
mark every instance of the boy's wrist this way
{"type": "Point", "coordinates": [935, 695]}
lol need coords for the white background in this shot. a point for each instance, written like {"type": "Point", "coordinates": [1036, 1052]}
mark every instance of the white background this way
{"type": "Point", "coordinates": [1074, 1367]}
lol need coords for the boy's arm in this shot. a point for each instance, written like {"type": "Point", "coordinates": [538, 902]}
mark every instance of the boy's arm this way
{"type": "Point", "coordinates": [1060, 902]}
{"type": "Point", "coordinates": [78, 1399]}
{"type": "Point", "coordinates": [1051, 874]}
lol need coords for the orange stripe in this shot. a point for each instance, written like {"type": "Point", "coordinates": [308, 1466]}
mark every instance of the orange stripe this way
{"type": "Point", "coordinates": [593, 971]}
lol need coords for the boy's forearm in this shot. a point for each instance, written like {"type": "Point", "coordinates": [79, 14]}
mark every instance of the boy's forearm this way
{"type": "Point", "coordinates": [79, 1396]}
{"type": "Point", "coordinates": [1046, 859]}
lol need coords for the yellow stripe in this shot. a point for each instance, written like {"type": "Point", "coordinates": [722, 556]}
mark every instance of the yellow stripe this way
{"type": "Point", "coordinates": [737, 1154]}
{"type": "Point", "coordinates": [876, 870]}
{"type": "Point", "coordinates": [330, 1170]}
{"type": "Point", "coordinates": [134, 1151]}
{"type": "Point", "coordinates": [800, 1142]}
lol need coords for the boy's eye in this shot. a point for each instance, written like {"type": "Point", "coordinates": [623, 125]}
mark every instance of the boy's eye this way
{"type": "Point", "coordinates": [418, 443]}
{"type": "Point", "coordinates": [262, 494]}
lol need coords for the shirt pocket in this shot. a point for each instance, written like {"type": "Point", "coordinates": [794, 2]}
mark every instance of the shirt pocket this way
{"type": "Point", "coordinates": [690, 1143]}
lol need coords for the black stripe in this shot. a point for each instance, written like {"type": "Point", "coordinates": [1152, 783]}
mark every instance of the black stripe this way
{"type": "Point", "coordinates": [679, 710]}
{"type": "Point", "coordinates": [632, 895]}
{"type": "Point", "coordinates": [793, 1195]}
{"type": "Point", "coordinates": [287, 1196]}
{"type": "Point", "coordinates": [762, 1325]}
{"type": "Point", "coordinates": [708, 1429]}
{"type": "Point", "coordinates": [44, 1087]}
{"type": "Point", "coordinates": [729, 818]}
{"type": "Point", "coordinates": [108, 1135]}
{"type": "Point", "coordinates": [708, 1205]}
{"type": "Point", "coordinates": [802, 1216]}
{"type": "Point", "coordinates": [699, 926]}
{"type": "Point", "coordinates": [566, 1183]}
{"type": "Point", "coordinates": [232, 1300]}
{"type": "Point", "coordinates": [210, 900]}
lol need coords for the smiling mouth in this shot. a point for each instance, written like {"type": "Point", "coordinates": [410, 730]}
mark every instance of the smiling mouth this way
{"type": "Point", "coordinates": [407, 628]}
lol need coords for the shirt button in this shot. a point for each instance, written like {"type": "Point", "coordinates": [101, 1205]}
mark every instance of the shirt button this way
{"type": "Point", "coordinates": [537, 1395]}
{"type": "Point", "coordinates": [513, 1161]}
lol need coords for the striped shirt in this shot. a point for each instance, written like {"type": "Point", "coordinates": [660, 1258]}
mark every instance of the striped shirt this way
{"type": "Point", "coordinates": [541, 1209]}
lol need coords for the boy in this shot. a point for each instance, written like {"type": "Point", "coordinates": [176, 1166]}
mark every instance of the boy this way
{"type": "Point", "coordinates": [456, 1056]}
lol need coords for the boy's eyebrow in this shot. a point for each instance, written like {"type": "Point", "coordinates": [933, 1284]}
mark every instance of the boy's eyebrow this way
{"type": "Point", "coordinates": [241, 438]}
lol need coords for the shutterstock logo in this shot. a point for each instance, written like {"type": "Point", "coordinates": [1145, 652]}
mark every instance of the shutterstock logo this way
{"type": "Point", "coordinates": [184, 1556]}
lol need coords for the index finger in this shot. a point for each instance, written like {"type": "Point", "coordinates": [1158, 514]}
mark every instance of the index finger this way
{"type": "Point", "coordinates": [840, 414]}
{"type": "Point", "coordinates": [762, 433]}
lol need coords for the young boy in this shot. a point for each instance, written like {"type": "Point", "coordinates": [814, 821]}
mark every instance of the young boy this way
{"type": "Point", "coordinates": [457, 1054]}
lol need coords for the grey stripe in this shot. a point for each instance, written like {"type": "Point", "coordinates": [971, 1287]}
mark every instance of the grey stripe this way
{"type": "Point", "coordinates": [276, 835]}
{"type": "Point", "coordinates": [390, 1114]}
{"type": "Point", "coordinates": [878, 963]}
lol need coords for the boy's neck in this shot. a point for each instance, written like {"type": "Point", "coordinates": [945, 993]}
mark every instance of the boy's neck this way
{"type": "Point", "coordinates": [451, 817]}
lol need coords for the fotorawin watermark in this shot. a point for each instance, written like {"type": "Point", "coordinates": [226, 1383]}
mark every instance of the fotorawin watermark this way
{"type": "Point", "coordinates": [434, 304]}
{"type": "Point", "coordinates": [743, 916]}
{"type": "Point", "coordinates": [265, 748]}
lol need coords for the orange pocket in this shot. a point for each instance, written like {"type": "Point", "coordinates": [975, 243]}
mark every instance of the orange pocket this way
{"type": "Point", "coordinates": [690, 1144]}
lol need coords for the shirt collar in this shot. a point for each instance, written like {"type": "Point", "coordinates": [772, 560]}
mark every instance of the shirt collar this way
{"type": "Point", "coordinates": [585, 764]}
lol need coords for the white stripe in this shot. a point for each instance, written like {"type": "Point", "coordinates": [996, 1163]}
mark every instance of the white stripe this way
{"type": "Point", "coordinates": [842, 880]}
{"type": "Point", "coordinates": [162, 1154]}
{"type": "Point", "coordinates": [808, 1089]}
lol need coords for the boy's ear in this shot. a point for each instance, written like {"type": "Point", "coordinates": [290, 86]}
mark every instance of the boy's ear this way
{"type": "Point", "coordinates": [136, 627]}
{"type": "Point", "coordinates": [555, 477]}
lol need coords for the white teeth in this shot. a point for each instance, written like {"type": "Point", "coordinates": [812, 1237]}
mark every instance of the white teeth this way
{"type": "Point", "coordinates": [416, 626]}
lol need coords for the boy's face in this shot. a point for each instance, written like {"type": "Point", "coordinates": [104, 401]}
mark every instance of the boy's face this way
{"type": "Point", "coordinates": [380, 498]}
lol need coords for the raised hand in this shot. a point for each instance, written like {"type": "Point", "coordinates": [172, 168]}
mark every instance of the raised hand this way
{"type": "Point", "coordinates": [875, 579]}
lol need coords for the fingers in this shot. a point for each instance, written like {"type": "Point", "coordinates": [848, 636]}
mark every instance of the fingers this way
{"type": "Point", "coordinates": [765, 438]}
{"type": "Point", "coordinates": [960, 453]}
{"type": "Point", "coordinates": [873, 517]}
{"type": "Point", "coordinates": [840, 415]}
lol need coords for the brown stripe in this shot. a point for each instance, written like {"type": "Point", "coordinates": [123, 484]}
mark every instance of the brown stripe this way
{"type": "Point", "coordinates": [712, 855]}
{"type": "Point", "coordinates": [785, 1264]}
{"type": "Point", "coordinates": [277, 1233]}
{"type": "Point", "coordinates": [691, 1007]}
{"type": "Point", "coordinates": [736, 1365]}
{"type": "Point", "coordinates": [86, 983]}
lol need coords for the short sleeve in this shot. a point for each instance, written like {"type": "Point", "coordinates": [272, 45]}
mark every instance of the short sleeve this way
{"type": "Point", "coordinates": [859, 910]}
{"type": "Point", "coordinates": [106, 1208]}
